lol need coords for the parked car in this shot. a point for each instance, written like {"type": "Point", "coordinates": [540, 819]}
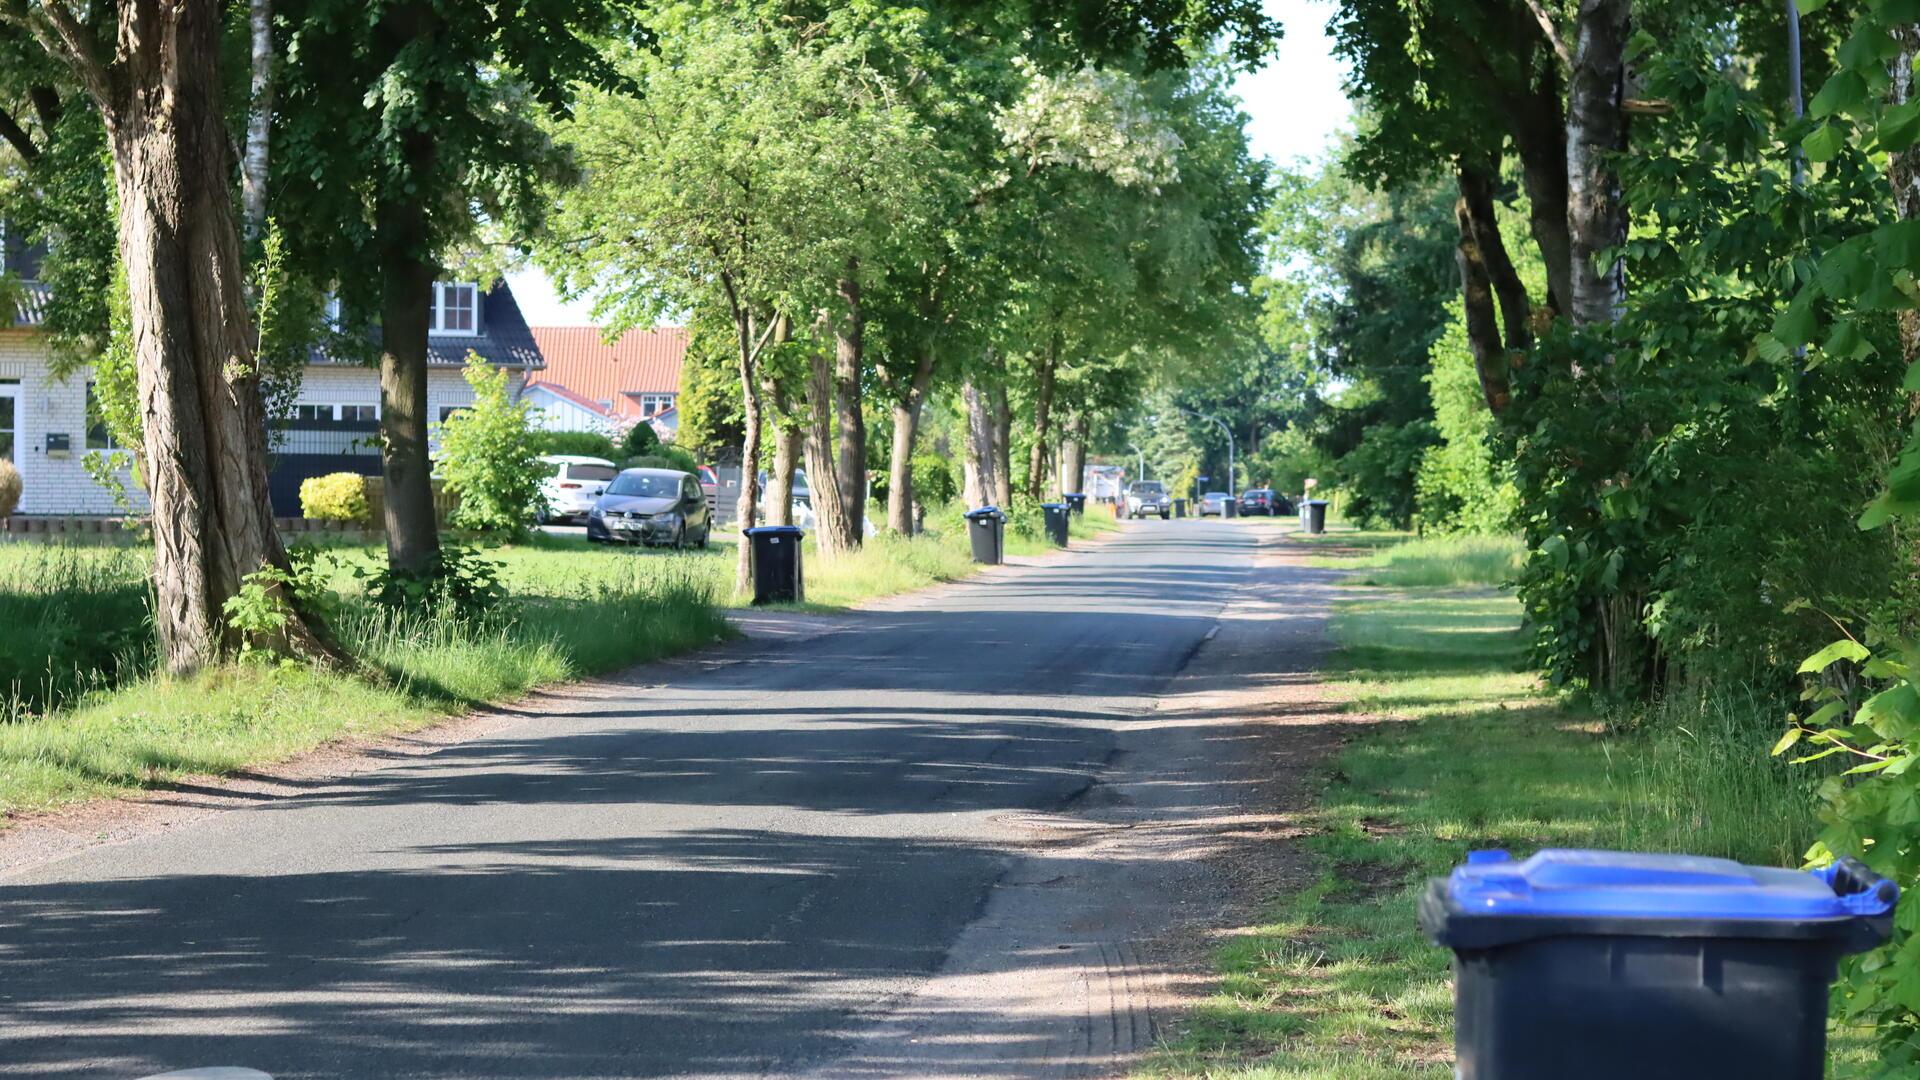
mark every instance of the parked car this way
{"type": "Point", "coordinates": [1214, 504]}
{"type": "Point", "coordinates": [1148, 497]}
{"type": "Point", "coordinates": [1264, 502]}
{"type": "Point", "coordinates": [652, 507]}
{"type": "Point", "coordinates": [573, 483]}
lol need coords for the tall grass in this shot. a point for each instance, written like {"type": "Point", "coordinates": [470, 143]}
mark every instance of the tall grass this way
{"type": "Point", "coordinates": [72, 620]}
{"type": "Point", "coordinates": [1435, 561]}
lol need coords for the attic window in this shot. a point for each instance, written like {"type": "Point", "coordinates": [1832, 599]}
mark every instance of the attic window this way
{"type": "Point", "coordinates": [456, 308]}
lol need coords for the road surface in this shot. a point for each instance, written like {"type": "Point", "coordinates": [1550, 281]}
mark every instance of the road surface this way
{"type": "Point", "coordinates": [779, 858]}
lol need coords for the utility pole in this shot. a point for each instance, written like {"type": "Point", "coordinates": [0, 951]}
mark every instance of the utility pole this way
{"type": "Point", "coordinates": [1142, 474]}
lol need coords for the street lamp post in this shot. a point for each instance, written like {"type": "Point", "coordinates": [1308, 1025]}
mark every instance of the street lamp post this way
{"type": "Point", "coordinates": [1142, 474]}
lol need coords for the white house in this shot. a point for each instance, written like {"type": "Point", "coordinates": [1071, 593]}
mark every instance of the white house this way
{"type": "Point", "coordinates": [48, 424]}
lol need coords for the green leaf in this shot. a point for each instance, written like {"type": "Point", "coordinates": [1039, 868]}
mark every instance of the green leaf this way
{"type": "Point", "coordinates": [1900, 127]}
{"type": "Point", "coordinates": [1824, 714]}
{"type": "Point", "coordinates": [1792, 736]}
{"type": "Point", "coordinates": [1847, 342]}
{"type": "Point", "coordinates": [1555, 549]}
{"type": "Point", "coordinates": [1897, 246]}
{"type": "Point", "coordinates": [1845, 92]}
{"type": "Point", "coordinates": [1824, 143]}
{"type": "Point", "coordinates": [1844, 649]}
{"type": "Point", "coordinates": [1796, 325]}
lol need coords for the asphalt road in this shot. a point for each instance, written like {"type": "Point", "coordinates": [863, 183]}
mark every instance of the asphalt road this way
{"type": "Point", "coordinates": [727, 872]}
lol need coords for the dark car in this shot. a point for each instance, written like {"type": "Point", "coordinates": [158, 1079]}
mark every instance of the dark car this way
{"type": "Point", "coordinates": [651, 507]}
{"type": "Point", "coordinates": [1264, 502]}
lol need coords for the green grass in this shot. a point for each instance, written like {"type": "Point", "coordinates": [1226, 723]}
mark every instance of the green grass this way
{"type": "Point", "coordinates": [81, 715]}
{"type": "Point", "coordinates": [1336, 981]}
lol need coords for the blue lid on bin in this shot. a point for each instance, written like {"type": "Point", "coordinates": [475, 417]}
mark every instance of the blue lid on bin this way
{"type": "Point", "coordinates": [983, 512]}
{"type": "Point", "coordinates": [1073, 494]}
{"type": "Point", "coordinates": [1053, 506]}
{"type": "Point", "coordinates": [775, 530]}
{"type": "Point", "coordinates": [1621, 884]}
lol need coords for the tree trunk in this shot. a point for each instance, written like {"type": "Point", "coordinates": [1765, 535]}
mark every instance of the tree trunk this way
{"type": "Point", "coordinates": [205, 425]}
{"type": "Point", "coordinates": [1002, 446]}
{"type": "Point", "coordinates": [1903, 166]}
{"type": "Point", "coordinates": [976, 466]}
{"type": "Point", "coordinates": [785, 423]}
{"type": "Point", "coordinates": [1596, 130]}
{"type": "Point", "coordinates": [1540, 138]}
{"type": "Point", "coordinates": [750, 422]}
{"type": "Point", "coordinates": [253, 176]}
{"type": "Point", "coordinates": [1042, 421]}
{"type": "Point", "coordinates": [906, 427]}
{"type": "Point", "coordinates": [832, 524]}
{"type": "Point", "coordinates": [850, 465]}
{"type": "Point", "coordinates": [406, 305]}
{"type": "Point", "coordinates": [1073, 453]}
{"type": "Point", "coordinates": [1482, 259]}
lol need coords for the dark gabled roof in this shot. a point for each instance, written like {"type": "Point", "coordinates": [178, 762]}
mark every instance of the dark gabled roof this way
{"type": "Point", "coordinates": [504, 339]}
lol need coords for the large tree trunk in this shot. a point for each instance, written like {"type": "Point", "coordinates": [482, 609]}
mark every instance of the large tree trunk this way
{"type": "Point", "coordinates": [833, 526]}
{"type": "Point", "coordinates": [205, 426]}
{"type": "Point", "coordinates": [750, 420]}
{"type": "Point", "coordinates": [1038, 455]}
{"type": "Point", "coordinates": [976, 466]}
{"type": "Point", "coordinates": [906, 428]}
{"type": "Point", "coordinates": [1073, 453]}
{"type": "Point", "coordinates": [850, 464]}
{"type": "Point", "coordinates": [784, 421]}
{"type": "Point", "coordinates": [1002, 445]}
{"type": "Point", "coordinates": [1597, 130]}
{"type": "Point", "coordinates": [406, 282]}
{"type": "Point", "coordinates": [1540, 139]}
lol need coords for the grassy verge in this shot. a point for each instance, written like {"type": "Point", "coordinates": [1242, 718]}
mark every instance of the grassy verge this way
{"type": "Point", "coordinates": [1337, 983]}
{"type": "Point", "coordinates": [81, 715]}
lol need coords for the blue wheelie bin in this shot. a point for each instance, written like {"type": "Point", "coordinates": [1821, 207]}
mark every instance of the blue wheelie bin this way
{"type": "Point", "coordinates": [1609, 965]}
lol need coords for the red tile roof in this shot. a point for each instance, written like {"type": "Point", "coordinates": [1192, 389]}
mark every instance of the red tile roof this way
{"type": "Point", "coordinates": [641, 362]}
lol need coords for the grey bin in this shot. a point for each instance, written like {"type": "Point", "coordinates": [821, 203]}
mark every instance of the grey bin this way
{"type": "Point", "coordinates": [1313, 515]}
{"type": "Point", "coordinates": [777, 574]}
{"type": "Point", "coordinates": [987, 531]}
{"type": "Point", "coordinates": [1056, 522]}
{"type": "Point", "coordinates": [1179, 508]}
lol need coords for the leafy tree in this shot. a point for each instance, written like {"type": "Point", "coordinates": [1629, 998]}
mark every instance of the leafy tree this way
{"type": "Point", "coordinates": [489, 455]}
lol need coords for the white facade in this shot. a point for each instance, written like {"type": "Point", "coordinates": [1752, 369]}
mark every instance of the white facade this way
{"type": "Point", "coordinates": [52, 481]}
{"type": "Point", "coordinates": [552, 411]}
{"type": "Point", "coordinates": [56, 482]}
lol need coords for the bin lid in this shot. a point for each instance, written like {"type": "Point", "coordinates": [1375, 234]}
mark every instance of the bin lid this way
{"type": "Point", "coordinates": [983, 512]}
{"type": "Point", "coordinates": [1073, 495]}
{"type": "Point", "coordinates": [1494, 899]}
{"type": "Point", "coordinates": [775, 530]}
{"type": "Point", "coordinates": [1053, 506]}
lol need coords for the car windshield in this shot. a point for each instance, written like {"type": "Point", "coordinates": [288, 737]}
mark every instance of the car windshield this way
{"type": "Point", "coordinates": [579, 471]}
{"type": "Point", "coordinates": [646, 487]}
{"type": "Point", "coordinates": [1146, 487]}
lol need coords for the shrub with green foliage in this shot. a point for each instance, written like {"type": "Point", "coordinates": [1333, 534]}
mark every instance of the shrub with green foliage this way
{"type": "Point", "coordinates": [581, 443]}
{"type": "Point", "coordinates": [640, 440]}
{"type": "Point", "coordinates": [340, 496]}
{"type": "Point", "coordinates": [488, 458]}
{"type": "Point", "coordinates": [1378, 474]}
{"type": "Point", "coordinates": [933, 483]}
{"type": "Point", "coordinates": [668, 456]}
{"type": "Point", "coordinates": [1461, 485]}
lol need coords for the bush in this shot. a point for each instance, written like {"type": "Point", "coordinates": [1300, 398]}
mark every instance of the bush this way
{"type": "Point", "coordinates": [641, 440]}
{"type": "Point", "coordinates": [933, 483]}
{"type": "Point", "coordinates": [9, 488]}
{"type": "Point", "coordinates": [340, 496]}
{"type": "Point", "coordinates": [583, 443]}
{"type": "Point", "coordinates": [666, 456]}
{"type": "Point", "coordinates": [1461, 486]}
{"type": "Point", "coordinates": [487, 455]}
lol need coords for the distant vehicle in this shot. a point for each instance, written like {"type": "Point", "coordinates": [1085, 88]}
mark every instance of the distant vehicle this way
{"type": "Point", "coordinates": [1148, 497]}
{"type": "Point", "coordinates": [573, 483]}
{"type": "Point", "coordinates": [1214, 504]}
{"type": "Point", "coordinates": [1264, 502]}
{"type": "Point", "coordinates": [653, 507]}
{"type": "Point", "coordinates": [710, 487]}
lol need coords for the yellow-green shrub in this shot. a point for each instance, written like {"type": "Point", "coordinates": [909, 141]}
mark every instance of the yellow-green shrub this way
{"type": "Point", "coordinates": [335, 497]}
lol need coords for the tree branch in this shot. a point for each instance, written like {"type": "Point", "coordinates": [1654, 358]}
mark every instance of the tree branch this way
{"type": "Point", "coordinates": [17, 136]}
{"type": "Point", "coordinates": [1553, 34]}
{"type": "Point", "coordinates": [58, 32]}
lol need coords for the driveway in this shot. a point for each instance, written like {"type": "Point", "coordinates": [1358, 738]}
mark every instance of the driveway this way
{"type": "Point", "coordinates": [783, 857]}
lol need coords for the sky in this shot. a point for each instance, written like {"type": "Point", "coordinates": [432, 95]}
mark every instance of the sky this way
{"type": "Point", "coordinates": [1295, 106]}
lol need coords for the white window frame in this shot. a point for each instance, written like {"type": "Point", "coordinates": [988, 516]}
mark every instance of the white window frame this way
{"type": "Point", "coordinates": [652, 405]}
{"type": "Point", "coordinates": [437, 325]}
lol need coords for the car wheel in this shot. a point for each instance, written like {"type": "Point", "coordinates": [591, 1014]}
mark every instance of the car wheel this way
{"type": "Point", "coordinates": [680, 537]}
{"type": "Point", "coordinates": [1164, 515]}
{"type": "Point", "coordinates": [706, 534]}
